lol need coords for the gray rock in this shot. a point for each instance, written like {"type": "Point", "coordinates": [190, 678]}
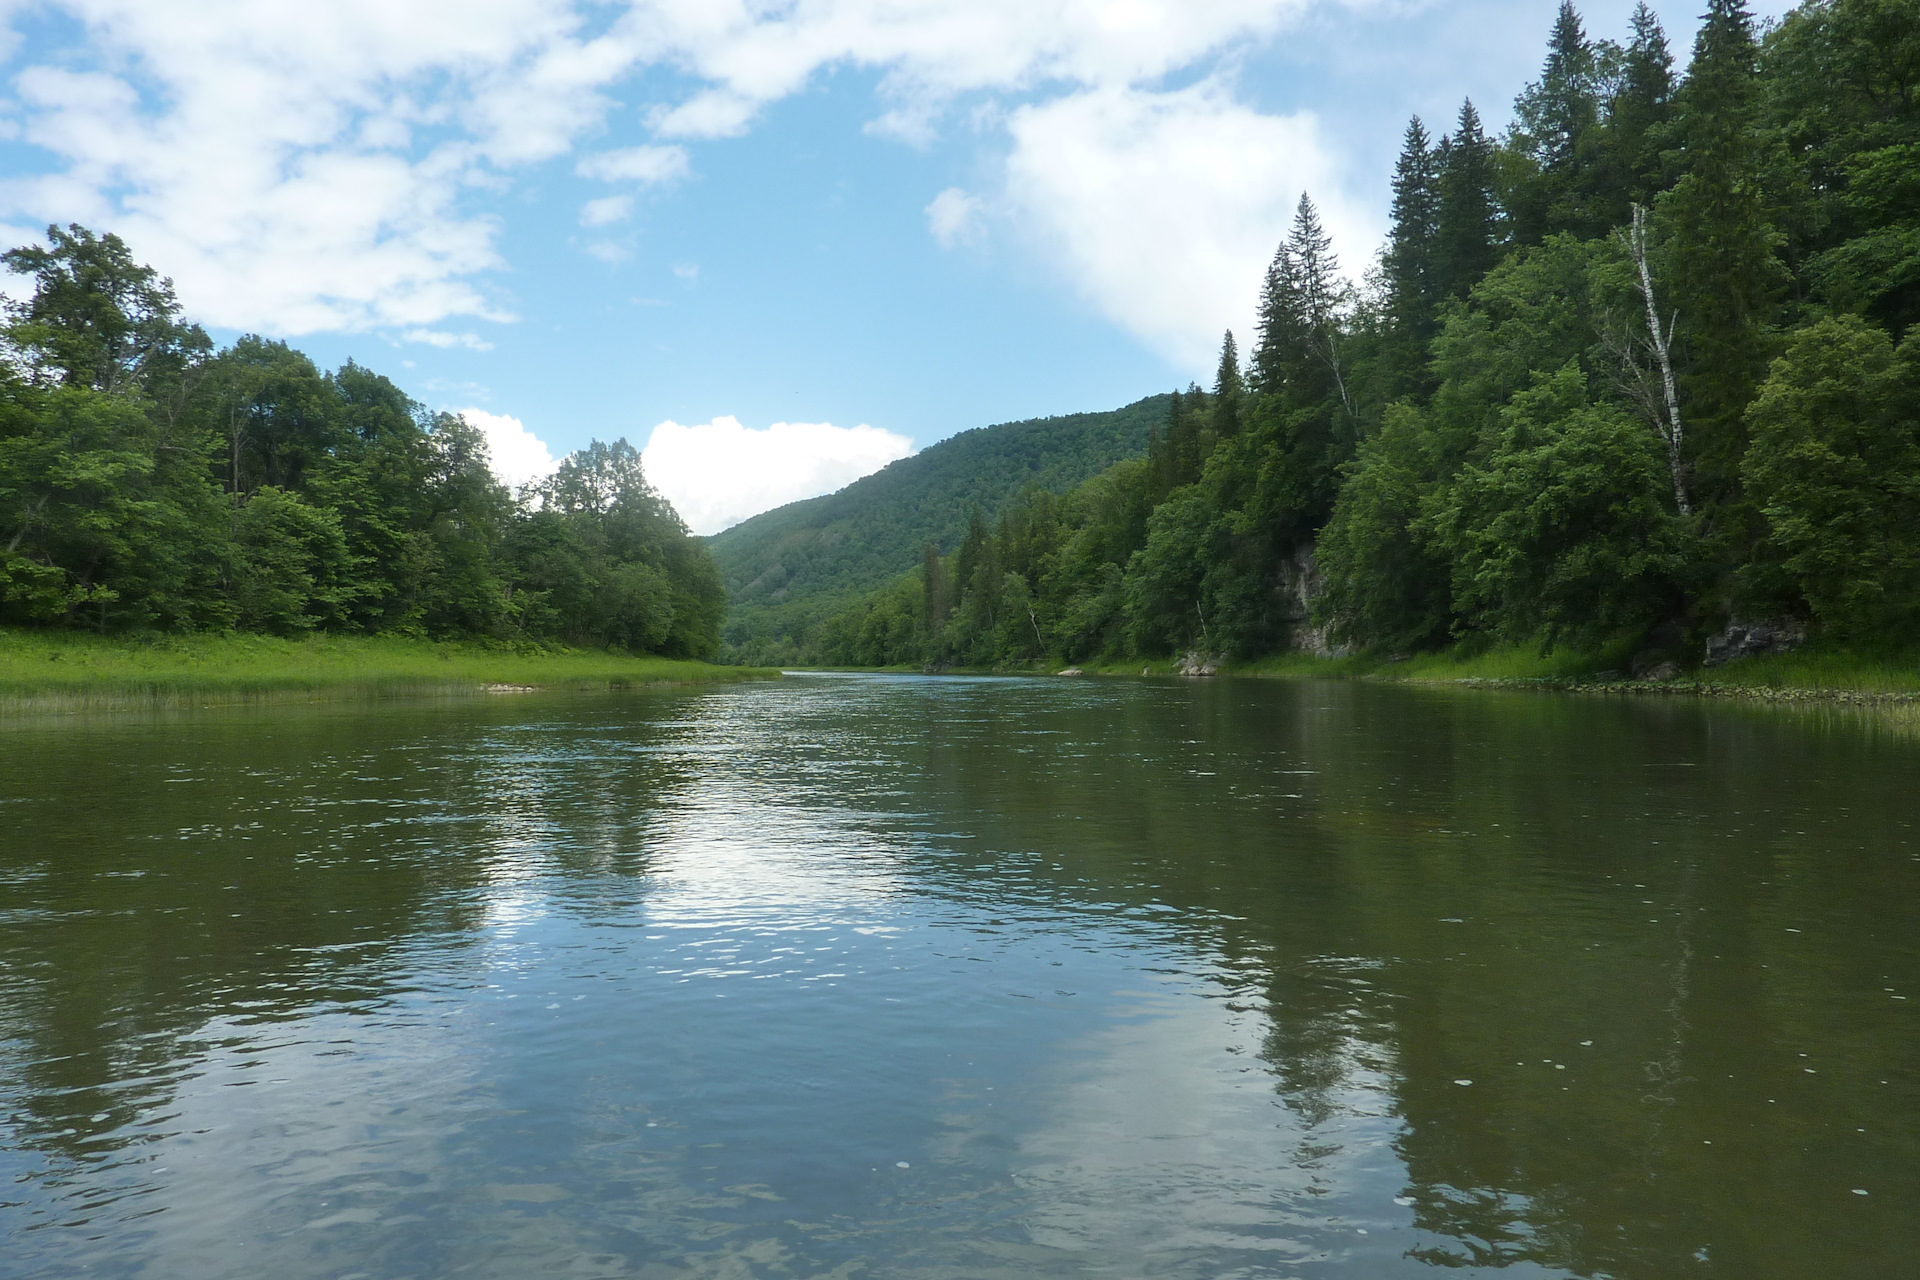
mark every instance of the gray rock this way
{"type": "Point", "coordinates": [1195, 663]}
{"type": "Point", "coordinates": [1743, 639]}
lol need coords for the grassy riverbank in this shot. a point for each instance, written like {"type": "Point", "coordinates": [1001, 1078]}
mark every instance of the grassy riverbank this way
{"type": "Point", "coordinates": [1812, 674]}
{"type": "Point", "coordinates": [51, 669]}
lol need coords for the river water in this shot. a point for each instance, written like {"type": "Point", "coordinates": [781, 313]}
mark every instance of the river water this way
{"type": "Point", "coordinates": [912, 977]}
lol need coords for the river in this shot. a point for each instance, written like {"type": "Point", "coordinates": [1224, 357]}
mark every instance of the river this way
{"type": "Point", "coordinates": [922, 977]}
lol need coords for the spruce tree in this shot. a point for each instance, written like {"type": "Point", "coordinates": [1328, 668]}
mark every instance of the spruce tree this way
{"type": "Point", "coordinates": [1227, 390]}
{"type": "Point", "coordinates": [1465, 246]}
{"type": "Point", "coordinates": [1726, 275]}
{"type": "Point", "coordinates": [1637, 119]}
{"type": "Point", "coordinates": [1409, 263]}
{"type": "Point", "coordinates": [1554, 123]}
{"type": "Point", "coordinates": [937, 602]}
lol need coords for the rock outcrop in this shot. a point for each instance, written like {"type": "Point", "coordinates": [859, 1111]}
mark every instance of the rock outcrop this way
{"type": "Point", "coordinates": [1743, 639]}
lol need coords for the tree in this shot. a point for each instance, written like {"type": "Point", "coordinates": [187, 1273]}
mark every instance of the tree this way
{"type": "Point", "coordinates": [1386, 580]}
{"type": "Point", "coordinates": [1726, 276]}
{"type": "Point", "coordinates": [1466, 236]}
{"type": "Point", "coordinates": [1554, 124]}
{"type": "Point", "coordinates": [1563, 532]}
{"type": "Point", "coordinates": [97, 319]}
{"type": "Point", "coordinates": [1835, 468]}
{"type": "Point", "coordinates": [1637, 116]}
{"type": "Point", "coordinates": [1227, 391]}
{"type": "Point", "coordinates": [1412, 295]}
{"type": "Point", "coordinates": [1647, 361]}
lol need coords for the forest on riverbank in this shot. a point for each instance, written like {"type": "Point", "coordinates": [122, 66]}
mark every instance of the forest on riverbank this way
{"type": "Point", "coordinates": [149, 484]}
{"type": "Point", "coordinates": [1640, 367]}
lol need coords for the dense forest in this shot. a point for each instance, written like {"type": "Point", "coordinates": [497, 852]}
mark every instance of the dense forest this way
{"type": "Point", "coordinates": [150, 483]}
{"type": "Point", "coordinates": [1642, 366]}
{"type": "Point", "coordinates": [788, 568]}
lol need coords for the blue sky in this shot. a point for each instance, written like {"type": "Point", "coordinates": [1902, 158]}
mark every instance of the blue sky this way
{"type": "Point", "coordinates": [583, 219]}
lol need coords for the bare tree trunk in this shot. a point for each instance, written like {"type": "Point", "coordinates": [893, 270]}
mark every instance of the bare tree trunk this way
{"type": "Point", "coordinates": [1660, 342]}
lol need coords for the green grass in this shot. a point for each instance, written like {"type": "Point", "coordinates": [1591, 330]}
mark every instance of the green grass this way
{"type": "Point", "coordinates": [55, 669]}
{"type": "Point", "coordinates": [1811, 673]}
{"type": "Point", "coordinates": [1836, 671]}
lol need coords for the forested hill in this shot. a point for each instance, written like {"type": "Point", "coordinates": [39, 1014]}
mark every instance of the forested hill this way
{"type": "Point", "coordinates": [784, 566]}
{"type": "Point", "coordinates": [1640, 376]}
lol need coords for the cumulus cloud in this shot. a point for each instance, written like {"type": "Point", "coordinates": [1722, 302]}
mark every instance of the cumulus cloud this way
{"type": "Point", "coordinates": [333, 167]}
{"type": "Point", "coordinates": [602, 212]}
{"type": "Point", "coordinates": [649, 166]}
{"type": "Point", "coordinates": [518, 456]}
{"type": "Point", "coordinates": [718, 473]}
{"type": "Point", "coordinates": [1165, 207]}
{"type": "Point", "coordinates": [446, 341]}
{"type": "Point", "coordinates": [954, 217]}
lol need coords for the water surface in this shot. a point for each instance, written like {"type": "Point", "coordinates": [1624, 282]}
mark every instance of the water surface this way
{"type": "Point", "coordinates": [905, 977]}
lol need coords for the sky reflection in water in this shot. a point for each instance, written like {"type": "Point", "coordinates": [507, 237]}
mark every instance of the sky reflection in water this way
{"type": "Point", "coordinates": [904, 977]}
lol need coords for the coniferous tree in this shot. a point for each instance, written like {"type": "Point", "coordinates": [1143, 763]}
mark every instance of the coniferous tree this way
{"type": "Point", "coordinates": [1638, 114]}
{"type": "Point", "coordinates": [1465, 245]}
{"type": "Point", "coordinates": [1409, 268]}
{"type": "Point", "coordinates": [1554, 127]}
{"type": "Point", "coordinates": [1726, 275]}
{"type": "Point", "coordinates": [937, 601]}
{"type": "Point", "coordinates": [973, 547]}
{"type": "Point", "coordinates": [1227, 391]}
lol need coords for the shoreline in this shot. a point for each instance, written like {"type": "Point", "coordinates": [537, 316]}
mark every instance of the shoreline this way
{"type": "Point", "coordinates": [56, 672]}
{"type": "Point", "coordinates": [1854, 682]}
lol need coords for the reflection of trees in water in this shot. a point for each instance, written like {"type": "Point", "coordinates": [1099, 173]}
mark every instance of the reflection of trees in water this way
{"type": "Point", "coordinates": [251, 867]}
{"type": "Point", "coordinates": [1414, 888]}
{"type": "Point", "coordinates": [1666, 1073]}
{"type": "Point", "coordinates": [1436, 886]}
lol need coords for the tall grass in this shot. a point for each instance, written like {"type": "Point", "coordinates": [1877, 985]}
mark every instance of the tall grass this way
{"type": "Point", "coordinates": [54, 668]}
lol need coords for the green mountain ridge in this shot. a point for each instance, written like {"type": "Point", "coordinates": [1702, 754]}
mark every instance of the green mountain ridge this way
{"type": "Point", "coordinates": [785, 567]}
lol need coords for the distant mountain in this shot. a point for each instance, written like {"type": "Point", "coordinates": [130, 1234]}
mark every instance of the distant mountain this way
{"type": "Point", "coordinates": [784, 567]}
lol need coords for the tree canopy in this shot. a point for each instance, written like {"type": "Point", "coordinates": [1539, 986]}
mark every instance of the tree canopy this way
{"type": "Point", "coordinates": [149, 482]}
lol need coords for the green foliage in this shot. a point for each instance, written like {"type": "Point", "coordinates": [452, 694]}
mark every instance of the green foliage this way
{"type": "Point", "coordinates": [149, 483]}
{"type": "Point", "coordinates": [1835, 468]}
{"type": "Point", "coordinates": [1564, 530]}
{"type": "Point", "coordinates": [788, 570]}
{"type": "Point", "coordinates": [1387, 582]}
{"type": "Point", "coordinates": [1473, 450]}
{"type": "Point", "coordinates": [1469, 451]}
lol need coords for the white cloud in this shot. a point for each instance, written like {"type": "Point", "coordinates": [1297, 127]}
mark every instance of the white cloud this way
{"type": "Point", "coordinates": [954, 217]}
{"type": "Point", "coordinates": [649, 166]}
{"type": "Point", "coordinates": [688, 271]}
{"type": "Point", "coordinates": [517, 454]}
{"type": "Point", "coordinates": [609, 209]}
{"type": "Point", "coordinates": [445, 341]}
{"type": "Point", "coordinates": [718, 473]}
{"type": "Point", "coordinates": [1165, 208]}
{"type": "Point", "coordinates": [332, 167]}
{"type": "Point", "coordinates": [934, 50]}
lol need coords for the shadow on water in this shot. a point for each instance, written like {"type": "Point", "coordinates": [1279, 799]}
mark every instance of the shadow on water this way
{"type": "Point", "coordinates": [1170, 978]}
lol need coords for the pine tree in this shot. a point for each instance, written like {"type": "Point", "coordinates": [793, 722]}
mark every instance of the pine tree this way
{"type": "Point", "coordinates": [1726, 275]}
{"type": "Point", "coordinates": [1409, 263]}
{"type": "Point", "coordinates": [1465, 246]}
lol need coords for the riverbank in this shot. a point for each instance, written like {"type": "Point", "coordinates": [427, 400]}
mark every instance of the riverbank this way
{"type": "Point", "coordinates": [54, 670]}
{"type": "Point", "coordinates": [1805, 676]}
